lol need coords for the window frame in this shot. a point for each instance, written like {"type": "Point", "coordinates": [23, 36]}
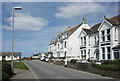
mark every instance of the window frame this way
{"type": "Point", "coordinates": [108, 34]}
{"type": "Point", "coordinates": [103, 54]}
{"type": "Point", "coordinates": [65, 44]}
{"type": "Point", "coordinates": [81, 41]}
{"type": "Point", "coordinates": [103, 35]}
{"type": "Point", "coordinates": [108, 53]}
{"type": "Point", "coordinates": [115, 32]}
{"type": "Point", "coordinates": [116, 50]}
{"type": "Point", "coordinates": [84, 40]}
{"type": "Point", "coordinates": [89, 40]}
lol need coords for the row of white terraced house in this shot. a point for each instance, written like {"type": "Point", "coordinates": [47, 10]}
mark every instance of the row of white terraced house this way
{"type": "Point", "coordinates": [100, 42]}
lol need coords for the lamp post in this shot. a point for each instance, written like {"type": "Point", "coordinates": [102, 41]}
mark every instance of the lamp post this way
{"type": "Point", "coordinates": [16, 8]}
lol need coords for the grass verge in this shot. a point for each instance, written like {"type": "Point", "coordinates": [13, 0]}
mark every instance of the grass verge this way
{"type": "Point", "coordinates": [20, 65]}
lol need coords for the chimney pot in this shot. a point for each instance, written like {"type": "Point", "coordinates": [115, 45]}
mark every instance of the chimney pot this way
{"type": "Point", "coordinates": [84, 20]}
{"type": "Point", "coordinates": [104, 17]}
{"type": "Point", "coordinates": [68, 28]}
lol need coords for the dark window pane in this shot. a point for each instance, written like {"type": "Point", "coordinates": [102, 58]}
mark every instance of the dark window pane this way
{"type": "Point", "coordinates": [116, 55]}
{"type": "Point", "coordinates": [108, 31]}
{"type": "Point", "coordinates": [103, 50]}
{"type": "Point", "coordinates": [103, 32]}
{"type": "Point", "coordinates": [103, 55]}
{"type": "Point", "coordinates": [108, 37]}
{"type": "Point", "coordinates": [109, 56]}
{"type": "Point", "coordinates": [108, 49]}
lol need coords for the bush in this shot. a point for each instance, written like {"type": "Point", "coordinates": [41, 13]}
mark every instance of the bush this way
{"type": "Point", "coordinates": [35, 59]}
{"type": "Point", "coordinates": [6, 71]}
{"type": "Point", "coordinates": [94, 65]}
{"type": "Point", "coordinates": [62, 58]}
{"type": "Point", "coordinates": [109, 67]}
{"type": "Point", "coordinates": [25, 58]}
{"type": "Point", "coordinates": [115, 62]}
{"type": "Point", "coordinates": [73, 60]}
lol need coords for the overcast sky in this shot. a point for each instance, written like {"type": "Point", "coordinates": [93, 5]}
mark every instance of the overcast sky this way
{"type": "Point", "coordinates": [38, 22]}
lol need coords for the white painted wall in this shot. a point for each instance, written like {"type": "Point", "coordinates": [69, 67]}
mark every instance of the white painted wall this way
{"type": "Point", "coordinates": [113, 41]}
{"type": "Point", "coordinates": [9, 58]}
{"type": "Point", "coordinates": [73, 42]}
{"type": "Point", "coordinates": [0, 58]}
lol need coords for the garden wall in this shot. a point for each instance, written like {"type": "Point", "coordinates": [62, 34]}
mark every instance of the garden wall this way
{"type": "Point", "coordinates": [89, 68]}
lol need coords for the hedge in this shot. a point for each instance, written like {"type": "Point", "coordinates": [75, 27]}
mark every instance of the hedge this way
{"type": "Point", "coordinates": [109, 67]}
{"type": "Point", "coordinates": [115, 62]}
{"type": "Point", "coordinates": [73, 60]}
{"type": "Point", "coordinates": [6, 71]}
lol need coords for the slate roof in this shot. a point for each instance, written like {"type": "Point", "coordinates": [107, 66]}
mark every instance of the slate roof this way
{"type": "Point", "coordinates": [73, 30]}
{"type": "Point", "coordinates": [116, 18]}
{"type": "Point", "coordinates": [10, 53]}
{"type": "Point", "coordinates": [88, 31]}
{"type": "Point", "coordinates": [95, 27]}
{"type": "Point", "coordinates": [114, 21]}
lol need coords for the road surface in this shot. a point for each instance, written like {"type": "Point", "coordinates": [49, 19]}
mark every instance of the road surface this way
{"type": "Point", "coordinates": [43, 70]}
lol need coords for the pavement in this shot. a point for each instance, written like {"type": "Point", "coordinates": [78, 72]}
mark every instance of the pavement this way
{"type": "Point", "coordinates": [44, 70]}
{"type": "Point", "coordinates": [22, 74]}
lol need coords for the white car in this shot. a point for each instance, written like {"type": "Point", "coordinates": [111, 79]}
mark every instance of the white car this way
{"type": "Point", "coordinates": [46, 59]}
{"type": "Point", "coordinates": [42, 58]}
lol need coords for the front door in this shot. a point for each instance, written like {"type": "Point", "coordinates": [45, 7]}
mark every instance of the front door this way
{"type": "Point", "coordinates": [97, 56]}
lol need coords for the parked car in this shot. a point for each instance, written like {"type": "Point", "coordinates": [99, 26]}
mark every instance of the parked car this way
{"type": "Point", "coordinates": [42, 58]}
{"type": "Point", "coordinates": [46, 59]}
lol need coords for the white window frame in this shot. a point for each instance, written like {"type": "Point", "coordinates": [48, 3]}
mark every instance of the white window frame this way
{"type": "Point", "coordinates": [58, 46]}
{"type": "Point", "coordinates": [103, 53]}
{"type": "Point", "coordinates": [107, 34]}
{"type": "Point", "coordinates": [116, 50]}
{"type": "Point", "coordinates": [108, 53]}
{"type": "Point", "coordinates": [81, 41]}
{"type": "Point", "coordinates": [103, 36]}
{"type": "Point", "coordinates": [115, 32]}
{"type": "Point", "coordinates": [89, 40]}
{"type": "Point", "coordinates": [65, 44]}
{"type": "Point", "coordinates": [84, 40]}
{"type": "Point", "coordinates": [95, 40]}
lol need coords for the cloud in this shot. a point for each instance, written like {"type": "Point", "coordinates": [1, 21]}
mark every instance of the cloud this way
{"type": "Point", "coordinates": [72, 10]}
{"type": "Point", "coordinates": [24, 21]}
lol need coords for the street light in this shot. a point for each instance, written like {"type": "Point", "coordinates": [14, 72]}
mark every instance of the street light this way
{"type": "Point", "coordinates": [15, 8]}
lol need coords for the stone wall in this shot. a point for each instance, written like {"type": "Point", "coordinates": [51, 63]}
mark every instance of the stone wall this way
{"type": "Point", "coordinates": [89, 68]}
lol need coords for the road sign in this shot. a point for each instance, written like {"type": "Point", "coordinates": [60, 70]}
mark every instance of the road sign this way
{"type": "Point", "coordinates": [16, 54]}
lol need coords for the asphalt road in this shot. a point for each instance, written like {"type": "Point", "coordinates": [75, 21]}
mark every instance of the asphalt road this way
{"type": "Point", "coordinates": [43, 70]}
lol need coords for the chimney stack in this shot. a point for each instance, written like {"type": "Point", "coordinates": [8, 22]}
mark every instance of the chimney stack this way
{"type": "Point", "coordinates": [68, 28]}
{"type": "Point", "coordinates": [84, 20]}
{"type": "Point", "coordinates": [104, 17]}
